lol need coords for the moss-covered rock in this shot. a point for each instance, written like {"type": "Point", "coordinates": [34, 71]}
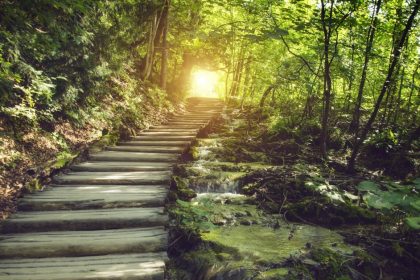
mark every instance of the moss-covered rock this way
{"type": "Point", "coordinates": [181, 189]}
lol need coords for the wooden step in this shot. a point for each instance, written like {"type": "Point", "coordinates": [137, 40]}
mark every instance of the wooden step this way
{"type": "Point", "coordinates": [82, 243]}
{"type": "Point", "coordinates": [163, 138]}
{"type": "Point", "coordinates": [118, 166]}
{"type": "Point", "coordinates": [186, 123]}
{"type": "Point", "coordinates": [77, 197]}
{"type": "Point", "coordinates": [96, 219]}
{"type": "Point", "coordinates": [195, 131]}
{"type": "Point", "coordinates": [148, 149]}
{"type": "Point", "coordinates": [113, 178]}
{"type": "Point", "coordinates": [166, 133]}
{"type": "Point", "coordinates": [156, 143]}
{"type": "Point", "coordinates": [133, 156]}
{"type": "Point", "coordinates": [178, 126]}
{"type": "Point", "coordinates": [147, 266]}
{"type": "Point", "coordinates": [190, 118]}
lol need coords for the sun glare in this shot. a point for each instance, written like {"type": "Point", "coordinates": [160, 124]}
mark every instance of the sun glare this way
{"type": "Point", "coordinates": [204, 83]}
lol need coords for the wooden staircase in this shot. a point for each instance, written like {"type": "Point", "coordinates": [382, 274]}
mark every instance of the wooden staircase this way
{"type": "Point", "coordinates": [104, 219]}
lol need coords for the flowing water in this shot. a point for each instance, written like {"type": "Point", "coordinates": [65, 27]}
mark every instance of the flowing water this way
{"type": "Point", "coordinates": [259, 241]}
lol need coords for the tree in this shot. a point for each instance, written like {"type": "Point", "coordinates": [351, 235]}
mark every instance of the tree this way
{"type": "Point", "coordinates": [388, 80]}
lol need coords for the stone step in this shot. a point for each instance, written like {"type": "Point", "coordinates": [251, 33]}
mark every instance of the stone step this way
{"type": "Point", "coordinates": [118, 166]}
{"type": "Point", "coordinates": [147, 266]}
{"type": "Point", "coordinates": [134, 156]}
{"type": "Point", "coordinates": [96, 219]}
{"type": "Point", "coordinates": [113, 178]}
{"type": "Point", "coordinates": [148, 149]}
{"type": "Point", "coordinates": [163, 138]}
{"type": "Point", "coordinates": [83, 243]}
{"type": "Point", "coordinates": [77, 197]}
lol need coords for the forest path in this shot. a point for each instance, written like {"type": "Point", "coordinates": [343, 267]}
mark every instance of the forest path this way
{"type": "Point", "coordinates": [105, 218]}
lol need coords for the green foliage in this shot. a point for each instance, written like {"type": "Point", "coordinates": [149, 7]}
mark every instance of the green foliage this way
{"type": "Point", "coordinates": [390, 196]}
{"type": "Point", "coordinates": [387, 195]}
{"type": "Point", "coordinates": [63, 159]}
{"type": "Point", "coordinates": [413, 222]}
{"type": "Point", "coordinates": [74, 60]}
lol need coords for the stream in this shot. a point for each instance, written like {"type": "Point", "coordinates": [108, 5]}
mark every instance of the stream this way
{"type": "Point", "coordinates": [240, 240]}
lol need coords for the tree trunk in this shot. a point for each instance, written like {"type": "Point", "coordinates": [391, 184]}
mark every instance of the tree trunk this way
{"type": "Point", "coordinates": [147, 68]}
{"type": "Point", "coordinates": [354, 125]}
{"type": "Point", "coordinates": [395, 59]}
{"type": "Point", "coordinates": [237, 75]}
{"type": "Point", "coordinates": [327, 77]}
{"type": "Point", "coordinates": [265, 95]}
{"type": "Point", "coordinates": [397, 106]}
{"type": "Point", "coordinates": [164, 62]}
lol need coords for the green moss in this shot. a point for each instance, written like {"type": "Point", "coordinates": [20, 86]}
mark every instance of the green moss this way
{"type": "Point", "coordinates": [63, 159]}
{"type": "Point", "coordinates": [181, 188]}
{"type": "Point", "coordinates": [33, 186]}
{"type": "Point", "coordinates": [273, 274]}
{"type": "Point", "coordinates": [267, 246]}
{"type": "Point", "coordinates": [105, 140]}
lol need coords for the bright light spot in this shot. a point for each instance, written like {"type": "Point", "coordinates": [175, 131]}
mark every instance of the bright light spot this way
{"type": "Point", "coordinates": [204, 83]}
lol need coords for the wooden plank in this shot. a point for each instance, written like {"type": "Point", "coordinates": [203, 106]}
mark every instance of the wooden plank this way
{"type": "Point", "coordinates": [155, 143]}
{"type": "Point", "coordinates": [36, 221]}
{"type": "Point", "coordinates": [112, 178]}
{"type": "Point", "coordinates": [148, 266]}
{"type": "Point", "coordinates": [134, 156]}
{"type": "Point", "coordinates": [164, 138]}
{"type": "Point", "coordinates": [122, 166]}
{"type": "Point", "coordinates": [148, 149]}
{"type": "Point", "coordinates": [83, 243]}
{"type": "Point", "coordinates": [171, 133]}
{"type": "Point", "coordinates": [94, 196]}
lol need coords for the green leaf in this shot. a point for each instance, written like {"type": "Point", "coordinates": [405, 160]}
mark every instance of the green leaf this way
{"type": "Point", "coordinates": [368, 186]}
{"type": "Point", "coordinates": [413, 222]}
{"type": "Point", "coordinates": [415, 204]}
{"type": "Point", "coordinates": [416, 183]}
{"type": "Point", "coordinates": [377, 202]}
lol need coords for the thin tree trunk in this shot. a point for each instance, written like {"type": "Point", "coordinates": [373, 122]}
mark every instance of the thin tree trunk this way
{"type": "Point", "coordinates": [237, 73]}
{"type": "Point", "coordinates": [247, 80]}
{"type": "Point", "coordinates": [412, 86]}
{"type": "Point", "coordinates": [354, 125]}
{"type": "Point", "coordinates": [164, 62]}
{"type": "Point", "coordinates": [327, 77]}
{"type": "Point", "coordinates": [397, 106]}
{"type": "Point", "coordinates": [265, 95]}
{"type": "Point", "coordinates": [395, 59]}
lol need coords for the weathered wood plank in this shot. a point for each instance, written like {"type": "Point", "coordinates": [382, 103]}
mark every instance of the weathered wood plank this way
{"type": "Point", "coordinates": [93, 197]}
{"type": "Point", "coordinates": [96, 219]}
{"type": "Point", "coordinates": [112, 178]}
{"type": "Point", "coordinates": [134, 156]}
{"type": "Point", "coordinates": [148, 149]}
{"type": "Point", "coordinates": [122, 166]}
{"type": "Point", "coordinates": [83, 243]}
{"type": "Point", "coordinates": [164, 138]}
{"type": "Point", "coordinates": [148, 266]}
